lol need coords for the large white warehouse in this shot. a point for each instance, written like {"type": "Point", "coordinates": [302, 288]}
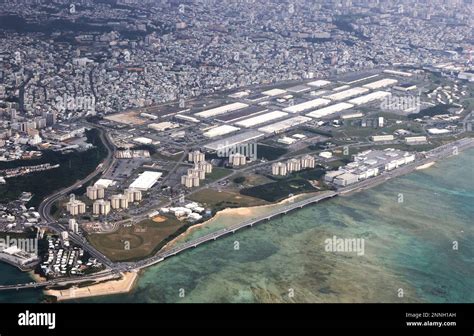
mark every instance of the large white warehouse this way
{"type": "Point", "coordinates": [398, 73]}
{"type": "Point", "coordinates": [273, 92]}
{"type": "Point", "coordinates": [261, 119]}
{"type": "Point", "coordinates": [221, 110]}
{"type": "Point", "coordinates": [220, 130]}
{"type": "Point", "coordinates": [163, 126]}
{"type": "Point", "coordinates": [330, 110]}
{"type": "Point", "coordinates": [380, 83]}
{"type": "Point", "coordinates": [234, 140]}
{"type": "Point", "coordinates": [319, 83]}
{"type": "Point", "coordinates": [307, 105]}
{"type": "Point", "coordinates": [146, 180]}
{"type": "Point", "coordinates": [341, 95]}
{"type": "Point", "coordinates": [377, 95]}
{"type": "Point", "coordinates": [283, 125]}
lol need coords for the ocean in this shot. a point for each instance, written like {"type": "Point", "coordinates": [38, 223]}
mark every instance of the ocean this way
{"type": "Point", "coordinates": [418, 238]}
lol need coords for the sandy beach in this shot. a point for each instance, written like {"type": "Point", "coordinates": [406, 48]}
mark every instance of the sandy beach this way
{"type": "Point", "coordinates": [233, 216]}
{"type": "Point", "coordinates": [36, 277]}
{"type": "Point", "coordinates": [129, 279]}
{"type": "Point", "coordinates": [426, 165]}
{"type": "Point", "coordinates": [123, 285]}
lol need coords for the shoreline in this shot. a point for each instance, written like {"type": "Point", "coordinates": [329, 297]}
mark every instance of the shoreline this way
{"type": "Point", "coordinates": [229, 212]}
{"type": "Point", "coordinates": [36, 277]}
{"type": "Point", "coordinates": [110, 287]}
{"type": "Point", "coordinates": [426, 166]}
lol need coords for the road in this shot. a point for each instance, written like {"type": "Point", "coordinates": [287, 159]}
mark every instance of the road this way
{"type": "Point", "coordinates": [44, 208]}
{"type": "Point", "coordinates": [433, 155]}
{"type": "Point", "coordinates": [115, 268]}
{"type": "Point", "coordinates": [109, 274]}
{"type": "Point", "coordinates": [231, 229]}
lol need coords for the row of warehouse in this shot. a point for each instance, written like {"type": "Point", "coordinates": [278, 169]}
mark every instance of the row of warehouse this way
{"type": "Point", "coordinates": [285, 124]}
{"type": "Point", "coordinates": [340, 93]}
{"type": "Point", "coordinates": [243, 115]}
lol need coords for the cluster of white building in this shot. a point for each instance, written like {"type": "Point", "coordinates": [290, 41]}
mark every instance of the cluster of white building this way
{"type": "Point", "coordinates": [118, 201]}
{"type": "Point", "coordinates": [368, 164]}
{"type": "Point", "coordinates": [325, 103]}
{"type": "Point", "coordinates": [198, 173]}
{"type": "Point", "coordinates": [100, 205]}
{"type": "Point", "coordinates": [191, 211]}
{"type": "Point", "coordinates": [293, 165]}
{"type": "Point", "coordinates": [237, 159]}
{"type": "Point", "coordinates": [74, 206]}
{"type": "Point", "coordinates": [196, 156]}
{"type": "Point", "coordinates": [95, 192]}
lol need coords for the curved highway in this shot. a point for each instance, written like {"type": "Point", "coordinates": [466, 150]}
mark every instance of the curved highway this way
{"type": "Point", "coordinates": [114, 268]}
{"type": "Point", "coordinates": [44, 208]}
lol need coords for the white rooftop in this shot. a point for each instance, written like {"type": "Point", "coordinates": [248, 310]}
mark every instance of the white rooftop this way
{"type": "Point", "coordinates": [274, 92]}
{"type": "Point", "coordinates": [104, 183]}
{"type": "Point", "coordinates": [319, 83]}
{"type": "Point", "coordinates": [307, 105]}
{"type": "Point", "coordinates": [146, 180]}
{"type": "Point", "coordinates": [262, 118]}
{"type": "Point", "coordinates": [221, 110]}
{"type": "Point", "coordinates": [220, 130]}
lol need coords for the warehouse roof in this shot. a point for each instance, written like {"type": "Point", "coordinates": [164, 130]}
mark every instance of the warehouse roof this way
{"type": "Point", "coordinates": [221, 110]}
{"type": "Point", "coordinates": [262, 118]}
{"type": "Point", "coordinates": [284, 124]}
{"type": "Point", "coordinates": [146, 180]}
{"type": "Point", "coordinates": [307, 105]}
{"type": "Point", "coordinates": [274, 92]}
{"type": "Point", "coordinates": [380, 83]}
{"type": "Point", "coordinates": [220, 130]}
{"type": "Point", "coordinates": [330, 110]}
{"type": "Point", "coordinates": [341, 95]}
{"type": "Point", "coordinates": [369, 97]}
{"type": "Point", "coordinates": [319, 83]}
{"type": "Point", "coordinates": [234, 140]}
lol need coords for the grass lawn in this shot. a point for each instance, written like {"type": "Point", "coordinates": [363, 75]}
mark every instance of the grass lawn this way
{"type": "Point", "coordinates": [143, 239]}
{"type": "Point", "coordinates": [160, 156]}
{"type": "Point", "coordinates": [224, 199]}
{"type": "Point", "coordinates": [276, 191]}
{"type": "Point", "coordinates": [217, 173]}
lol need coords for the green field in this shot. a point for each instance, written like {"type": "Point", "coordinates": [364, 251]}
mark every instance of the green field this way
{"type": "Point", "coordinates": [311, 174]}
{"type": "Point", "coordinates": [277, 191]}
{"type": "Point", "coordinates": [159, 156]}
{"type": "Point", "coordinates": [217, 174]}
{"type": "Point", "coordinates": [225, 199]}
{"type": "Point", "coordinates": [143, 239]}
{"type": "Point", "coordinates": [270, 153]}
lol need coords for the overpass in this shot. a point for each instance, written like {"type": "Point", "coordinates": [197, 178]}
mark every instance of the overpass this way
{"type": "Point", "coordinates": [433, 155]}
{"type": "Point", "coordinates": [104, 275]}
{"type": "Point", "coordinates": [232, 229]}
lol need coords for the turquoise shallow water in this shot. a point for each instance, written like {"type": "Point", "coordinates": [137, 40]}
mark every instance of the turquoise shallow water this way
{"type": "Point", "coordinates": [408, 247]}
